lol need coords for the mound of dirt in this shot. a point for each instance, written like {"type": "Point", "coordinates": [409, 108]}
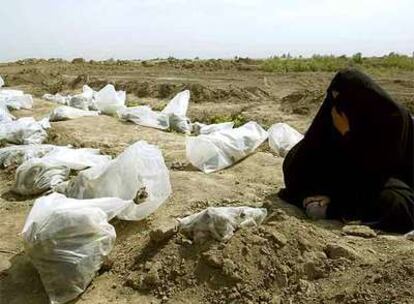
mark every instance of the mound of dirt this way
{"type": "Point", "coordinates": [302, 102]}
{"type": "Point", "coordinates": [199, 93]}
{"type": "Point", "coordinates": [281, 261]}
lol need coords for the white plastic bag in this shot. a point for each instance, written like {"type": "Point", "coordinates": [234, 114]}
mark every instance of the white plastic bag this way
{"type": "Point", "coordinates": [16, 99]}
{"type": "Point", "coordinates": [67, 241]}
{"type": "Point", "coordinates": [180, 123]}
{"type": "Point", "coordinates": [178, 105]}
{"type": "Point", "coordinates": [57, 98]}
{"type": "Point", "coordinates": [76, 159]}
{"type": "Point", "coordinates": [36, 176]}
{"type": "Point", "coordinates": [139, 169]}
{"type": "Point", "coordinates": [109, 101]}
{"type": "Point", "coordinates": [5, 115]}
{"type": "Point", "coordinates": [39, 175]}
{"type": "Point", "coordinates": [1, 82]}
{"type": "Point", "coordinates": [144, 116]}
{"type": "Point", "coordinates": [282, 138]}
{"type": "Point", "coordinates": [203, 129]}
{"type": "Point", "coordinates": [16, 155]}
{"type": "Point", "coordinates": [66, 113]}
{"type": "Point", "coordinates": [172, 117]}
{"type": "Point", "coordinates": [79, 102]}
{"type": "Point", "coordinates": [25, 131]}
{"type": "Point", "coordinates": [220, 222]}
{"type": "Point", "coordinates": [221, 149]}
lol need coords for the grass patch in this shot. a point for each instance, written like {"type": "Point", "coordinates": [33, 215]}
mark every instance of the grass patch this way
{"type": "Point", "coordinates": [318, 63]}
{"type": "Point", "coordinates": [238, 119]}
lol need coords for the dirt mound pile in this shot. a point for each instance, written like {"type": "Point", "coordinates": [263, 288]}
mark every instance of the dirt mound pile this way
{"type": "Point", "coordinates": [283, 259]}
{"type": "Point", "coordinates": [302, 102]}
{"type": "Point", "coordinates": [199, 93]}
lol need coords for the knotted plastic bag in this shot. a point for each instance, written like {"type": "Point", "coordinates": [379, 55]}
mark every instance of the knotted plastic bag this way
{"type": "Point", "coordinates": [139, 170]}
{"type": "Point", "coordinates": [67, 241]}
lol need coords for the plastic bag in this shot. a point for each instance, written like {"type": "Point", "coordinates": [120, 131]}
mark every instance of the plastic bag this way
{"type": "Point", "coordinates": [76, 159]}
{"type": "Point", "coordinates": [36, 176]}
{"type": "Point", "coordinates": [39, 175]}
{"type": "Point", "coordinates": [66, 113]}
{"type": "Point", "coordinates": [25, 131]}
{"type": "Point", "coordinates": [220, 222]}
{"type": "Point", "coordinates": [1, 82]}
{"type": "Point", "coordinates": [79, 102]}
{"type": "Point", "coordinates": [140, 169]}
{"type": "Point", "coordinates": [67, 241]}
{"type": "Point", "coordinates": [282, 138]}
{"type": "Point", "coordinates": [109, 101]}
{"type": "Point", "coordinates": [178, 105]}
{"type": "Point", "coordinates": [172, 117]}
{"type": "Point", "coordinates": [144, 116]}
{"type": "Point", "coordinates": [5, 115]}
{"type": "Point", "coordinates": [16, 99]}
{"type": "Point", "coordinates": [57, 98]}
{"type": "Point", "coordinates": [16, 155]}
{"type": "Point", "coordinates": [180, 123]}
{"type": "Point", "coordinates": [221, 149]}
{"type": "Point", "coordinates": [203, 129]}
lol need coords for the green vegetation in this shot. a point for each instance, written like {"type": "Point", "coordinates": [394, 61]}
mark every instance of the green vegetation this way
{"type": "Point", "coordinates": [318, 63]}
{"type": "Point", "coordinates": [237, 118]}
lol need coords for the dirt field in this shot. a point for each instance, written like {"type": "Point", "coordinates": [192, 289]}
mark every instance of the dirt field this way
{"type": "Point", "coordinates": [289, 259]}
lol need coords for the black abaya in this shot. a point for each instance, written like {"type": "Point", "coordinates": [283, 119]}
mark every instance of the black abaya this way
{"type": "Point", "coordinates": [368, 173]}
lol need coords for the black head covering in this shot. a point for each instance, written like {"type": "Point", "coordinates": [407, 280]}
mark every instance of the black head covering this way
{"type": "Point", "coordinates": [381, 131]}
{"type": "Point", "coordinates": [378, 146]}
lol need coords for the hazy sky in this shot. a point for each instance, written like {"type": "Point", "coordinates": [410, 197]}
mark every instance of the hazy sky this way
{"type": "Point", "coordinates": [133, 29]}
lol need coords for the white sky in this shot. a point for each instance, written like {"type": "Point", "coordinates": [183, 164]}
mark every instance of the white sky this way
{"type": "Point", "coordinates": [134, 29]}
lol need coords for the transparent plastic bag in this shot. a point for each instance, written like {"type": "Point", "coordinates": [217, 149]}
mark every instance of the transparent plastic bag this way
{"type": "Point", "coordinates": [178, 105]}
{"type": "Point", "coordinates": [57, 98]}
{"type": "Point", "coordinates": [39, 175]}
{"type": "Point", "coordinates": [25, 131]}
{"type": "Point", "coordinates": [144, 116]}
{"type": "Point", "coordinates": [172, 117]}
{"type": "Point", "coordinates": [222, 149]}
{"type": "Point", "coordinates": [36, 176]}
{"type": "Point", "coordinates": [109, 101]}
{"type": "Point", "coordinates": [16, 99]}
{"type": "Point", "coordinates": [76, 159]}
{"type": "Point", "coordinates": [180, 123]}
{"type": "Point", "coordinates": [220, 222]}
{"type": "Point", "coordinates": [5, 115]}
{"type": "Point", "coordinates": [67, 113]}
{"type": "Point", "coordinates": [282, 138]}
{"type": "Point", "coordinates": [16, 155]}
{"type": "Point", "coordinates": [67, 241]}
{"type": "Point", "coordinates": [139, 169]}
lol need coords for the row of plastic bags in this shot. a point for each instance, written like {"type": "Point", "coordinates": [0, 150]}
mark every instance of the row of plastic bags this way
{"type": "Point", "coordinates": [107, 100]}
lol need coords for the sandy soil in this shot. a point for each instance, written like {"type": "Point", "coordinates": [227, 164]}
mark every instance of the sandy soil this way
{"type": "Point", "coordinates": [289, 259]}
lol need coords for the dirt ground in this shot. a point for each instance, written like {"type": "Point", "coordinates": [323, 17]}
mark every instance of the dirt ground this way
{"type": "Point", "coordinates": [288, 259]}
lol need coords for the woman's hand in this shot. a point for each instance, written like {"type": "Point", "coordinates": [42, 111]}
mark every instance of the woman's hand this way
{"type": "Point", "coordinates": [316, 206]}
{"type": "Point", "coordinates": [340, 121]}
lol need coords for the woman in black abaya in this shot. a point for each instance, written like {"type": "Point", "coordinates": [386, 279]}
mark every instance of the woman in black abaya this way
{"type": "Point", "coordinates": [356, 160]}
